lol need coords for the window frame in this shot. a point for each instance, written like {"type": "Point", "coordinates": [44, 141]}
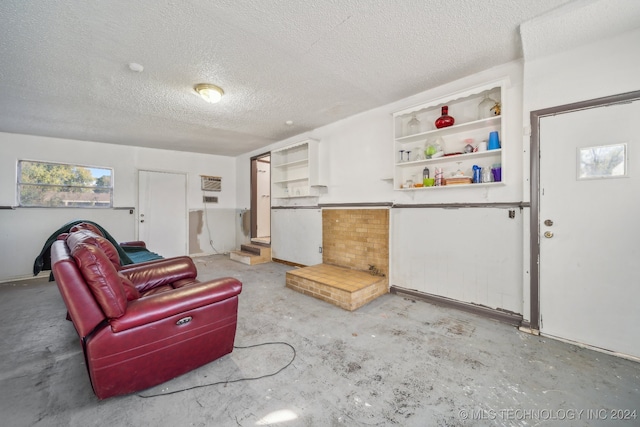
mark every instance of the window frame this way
{"type": "Point", "coordinates": [80, 204]}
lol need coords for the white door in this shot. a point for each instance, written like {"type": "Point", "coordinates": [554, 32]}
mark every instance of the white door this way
{"type": "Point", "coordinates": [162, 212]}
{"type": "Point", "coordinates": [589, 227]}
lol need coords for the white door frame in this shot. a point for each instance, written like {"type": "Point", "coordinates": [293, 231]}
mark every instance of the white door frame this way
{"type": "Point", "coordinates": [186, 210]}
{"type": "Point", "coordinates": [254, 193]}
{"type": "Point", "coordinates": [534, 231]}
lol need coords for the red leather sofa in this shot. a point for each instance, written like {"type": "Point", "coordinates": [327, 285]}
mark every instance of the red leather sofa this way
{"type": "Point", "coordinates": [142, 324]}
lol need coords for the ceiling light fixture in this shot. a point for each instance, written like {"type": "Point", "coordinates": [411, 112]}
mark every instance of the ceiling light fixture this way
{"type": "Point", "coordinates": [208, 92]}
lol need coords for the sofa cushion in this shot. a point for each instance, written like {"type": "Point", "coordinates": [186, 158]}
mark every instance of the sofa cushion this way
{"type": "Point", "coordinates": [89, 237]}
{"type": "Point", "coordinates": [102, 278]}
{"type": "Point", "coordinates": [86, 226]}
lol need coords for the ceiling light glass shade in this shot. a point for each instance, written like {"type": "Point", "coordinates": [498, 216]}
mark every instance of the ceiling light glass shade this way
{"type": "Point", "coordinates": [210, 93]}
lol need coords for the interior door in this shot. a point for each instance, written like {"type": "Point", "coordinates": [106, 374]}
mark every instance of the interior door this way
{"type": "Point", "coordinates": [589, 205]}
{"type": "Point", "coordinates": [162, 212]}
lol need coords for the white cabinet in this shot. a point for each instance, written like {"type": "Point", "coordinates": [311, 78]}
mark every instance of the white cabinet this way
{"type": "Point", "coordinates": [295, 170]}
{"type": "Point", "coordinates": [471, 127]}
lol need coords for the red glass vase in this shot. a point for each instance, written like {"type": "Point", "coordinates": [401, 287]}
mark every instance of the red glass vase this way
{"type": "Point", "coordinates": [445, 119]}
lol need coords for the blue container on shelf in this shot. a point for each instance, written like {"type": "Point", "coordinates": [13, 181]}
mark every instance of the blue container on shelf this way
{"type": "Point", "coordinates": [477, 174]}
{"type": "Point", "coordinates": [494, 141]}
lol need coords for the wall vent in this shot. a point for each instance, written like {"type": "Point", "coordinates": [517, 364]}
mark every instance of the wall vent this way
{"type": "Point", "coordinates": [210, 199]}
{"type": "Point", "coordinates": [211, 183]}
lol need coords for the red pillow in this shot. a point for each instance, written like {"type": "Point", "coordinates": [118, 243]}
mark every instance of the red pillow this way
{"type": "Point", "coordinates": [89, 237]}
{"type": "Point", "coordinates": [86, 226]}
{"type": "Point", "coordinates": [102, 278]}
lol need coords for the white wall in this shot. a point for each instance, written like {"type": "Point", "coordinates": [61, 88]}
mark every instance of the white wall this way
{"type": "Point", "coordinates": [358, 154]}
{"type": "Point", "coordinates": [24, 230]}
{"type": "Point", "coordinates": [607, 67]}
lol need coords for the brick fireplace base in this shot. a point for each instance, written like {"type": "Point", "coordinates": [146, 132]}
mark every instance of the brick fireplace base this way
{"type": "Point", "coordinates": [346, 288]}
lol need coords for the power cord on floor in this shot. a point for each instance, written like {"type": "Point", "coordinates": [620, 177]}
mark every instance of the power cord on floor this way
{"type": "Point", "coordinates": [238, 379]}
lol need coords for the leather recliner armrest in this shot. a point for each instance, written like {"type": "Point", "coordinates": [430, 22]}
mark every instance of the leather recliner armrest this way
{"type": "Point", "coordinates": [157, 307]}
{"type": "Point", "coordinates": [148, 275]}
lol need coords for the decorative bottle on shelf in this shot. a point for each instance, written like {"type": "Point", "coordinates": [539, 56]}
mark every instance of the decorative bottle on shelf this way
{"type": "Point", "coordinates": [445, 120]}
{"type": "Point", "coordinates": [413, 127]}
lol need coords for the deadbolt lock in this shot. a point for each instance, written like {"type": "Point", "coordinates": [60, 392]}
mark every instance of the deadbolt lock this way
{"type": "Point", "coordinates": [548, 234]}
{"type": "Point", "coordinates": [548, 222]}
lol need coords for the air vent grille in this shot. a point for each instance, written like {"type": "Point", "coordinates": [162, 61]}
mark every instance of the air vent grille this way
{"type": "Point", "coordinates": [211, 183]}
{"type": "Point", "coordinates": [210, 199]}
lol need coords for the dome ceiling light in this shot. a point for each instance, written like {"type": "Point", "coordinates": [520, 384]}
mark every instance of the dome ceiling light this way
{"type": "Point", "coordinates": [208, 92]}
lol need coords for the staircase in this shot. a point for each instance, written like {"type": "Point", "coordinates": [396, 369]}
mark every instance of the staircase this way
{"type": "Point", "coordinates": [252, 254]}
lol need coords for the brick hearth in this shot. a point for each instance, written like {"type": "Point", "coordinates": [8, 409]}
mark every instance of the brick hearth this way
{"type": "Point", "coordinates": [355, 259]}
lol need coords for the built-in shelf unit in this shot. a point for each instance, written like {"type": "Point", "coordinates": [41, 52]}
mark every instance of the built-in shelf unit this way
{"type": "Point", "coordinates": [295, 170]}
{"type": "Point", "coordinates": [471, 127]}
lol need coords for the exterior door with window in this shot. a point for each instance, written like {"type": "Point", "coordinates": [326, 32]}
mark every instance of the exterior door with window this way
{"type": "Point", "coordinates": [589, 232]}
{"type": "Point", "coordinates": [162, 212]}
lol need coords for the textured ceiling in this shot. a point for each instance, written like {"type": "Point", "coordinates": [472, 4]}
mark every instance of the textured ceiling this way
{"type": "Point", "coordinates": [64, 64]}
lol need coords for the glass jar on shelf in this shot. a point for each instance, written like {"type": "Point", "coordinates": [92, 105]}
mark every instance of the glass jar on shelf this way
{"type": "Point", "coordinates": [413, 126]}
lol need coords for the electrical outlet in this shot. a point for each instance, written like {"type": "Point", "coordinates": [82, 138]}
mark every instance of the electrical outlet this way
{"type": "Point", "coordinates": [512, 213]}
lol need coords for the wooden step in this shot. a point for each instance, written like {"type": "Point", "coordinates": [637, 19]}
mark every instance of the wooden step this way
{"type": "Point", "coordinates": [251, 257]}
{"type": "Point", "coordinates": [263, 251]}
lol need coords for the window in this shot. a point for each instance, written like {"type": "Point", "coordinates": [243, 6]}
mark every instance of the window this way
{"type": "Point", "coordinates": [58, 185]}
{"type": "Point", "coordinates": [605, 161]}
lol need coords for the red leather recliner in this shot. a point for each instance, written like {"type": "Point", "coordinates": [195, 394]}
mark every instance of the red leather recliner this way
{"type": "Point", "coordinates": [142, 324]}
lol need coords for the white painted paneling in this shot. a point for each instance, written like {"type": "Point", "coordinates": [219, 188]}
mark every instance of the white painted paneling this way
{"type": "Point", "coordinates": [296, 235]}
{"type": "Point", "coordinates": [472, 254]}
{"type": "Point", "coordinates": [218, 235]}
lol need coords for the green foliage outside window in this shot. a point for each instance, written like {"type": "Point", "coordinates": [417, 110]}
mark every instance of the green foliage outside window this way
{"type": "Point", "coordinates": [60, 185]}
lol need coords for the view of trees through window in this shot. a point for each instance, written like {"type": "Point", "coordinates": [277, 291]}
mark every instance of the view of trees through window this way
{"type": "Point", "coordinates": [60, 185]}
{"type": "Point", "coordinates": [601, 162]}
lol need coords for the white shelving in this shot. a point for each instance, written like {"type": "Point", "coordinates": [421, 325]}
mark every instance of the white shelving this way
{"type": "Point", "coordinates": [295, 170]}
{"type": "Point", "coordinates": [468, 128]}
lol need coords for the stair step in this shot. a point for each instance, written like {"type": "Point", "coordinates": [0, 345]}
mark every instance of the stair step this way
{"type": "Point", "coordinates": [263, 251]}
{"type": "Point", "coordinates": [252, 249]}
{"type": "Point", "coordinates": [249, 258]}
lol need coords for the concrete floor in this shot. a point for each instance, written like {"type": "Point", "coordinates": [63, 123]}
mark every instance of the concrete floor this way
{"type": "Point", "coordinates": [395, 361]}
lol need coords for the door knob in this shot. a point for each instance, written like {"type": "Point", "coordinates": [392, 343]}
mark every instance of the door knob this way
{"type": "Point", "coordinates": [142, 220]}
{"type": "Point", "coordinates": [548, 234]}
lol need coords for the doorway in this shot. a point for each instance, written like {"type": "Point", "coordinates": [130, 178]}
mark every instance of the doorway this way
{"type": "Point", "coordinates": [261, 199]}
{"type": "Point", "coordinates": [585, 163]}
{"type": "Point", "coordinates": [162, 212]}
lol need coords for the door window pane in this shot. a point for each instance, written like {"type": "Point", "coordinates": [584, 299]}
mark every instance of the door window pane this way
{"type": "Point", "coordinates": [605, 161]}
